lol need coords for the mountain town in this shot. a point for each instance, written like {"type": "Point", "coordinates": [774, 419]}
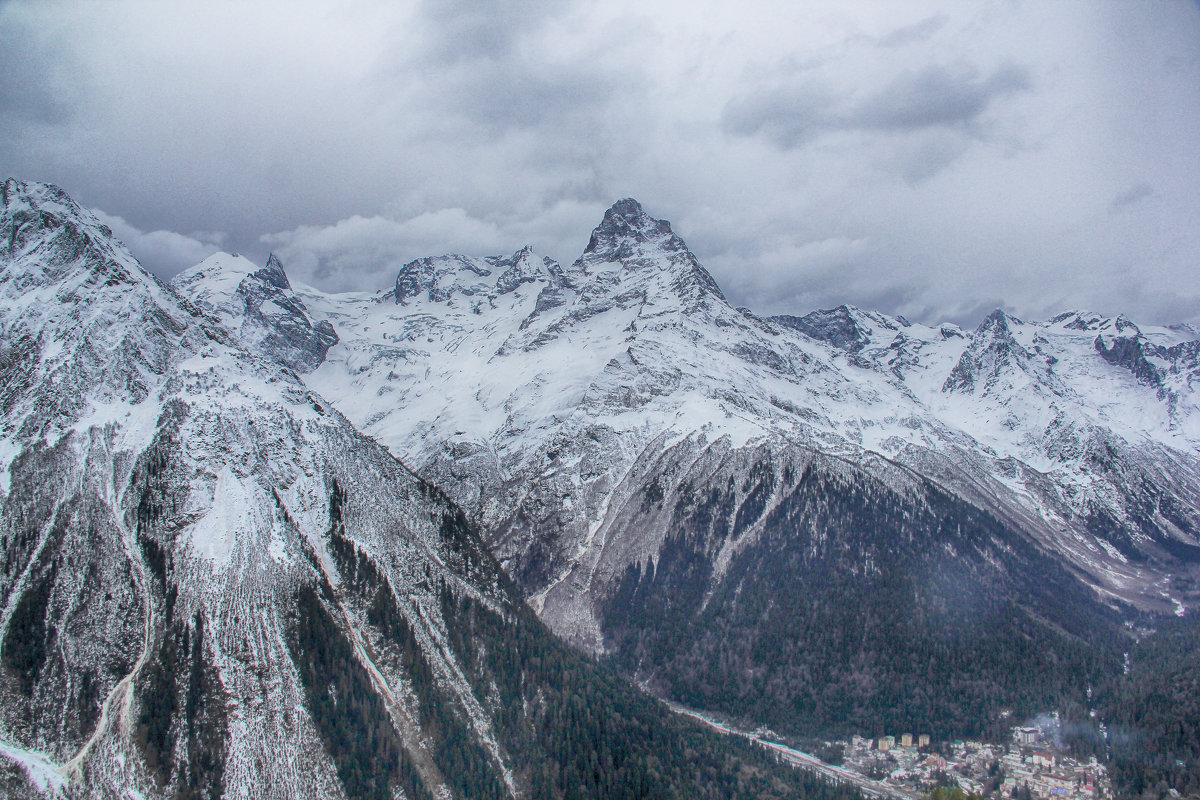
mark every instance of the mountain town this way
{"type": "Point", "coordinates": [1032, 765]}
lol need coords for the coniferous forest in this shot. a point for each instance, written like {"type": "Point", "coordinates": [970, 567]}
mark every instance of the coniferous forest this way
{"type": "Point", "coordinates": [857, 610]}
{"type": "Point", "coordinates": [1151, 716]}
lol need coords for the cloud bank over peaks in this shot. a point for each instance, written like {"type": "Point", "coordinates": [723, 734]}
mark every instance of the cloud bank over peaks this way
{"type": "Point", "coordinates": [364, 253]}
{"type": "Point", "coordinates": [918, 157]}
{"type": "Point", "coordinates": [163, 252]}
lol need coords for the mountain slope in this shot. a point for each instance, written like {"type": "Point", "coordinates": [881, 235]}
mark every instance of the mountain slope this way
{"type": "Point", "coordinates": [630, 443]}
{"type": "Point", "coordinates": [214, 586]}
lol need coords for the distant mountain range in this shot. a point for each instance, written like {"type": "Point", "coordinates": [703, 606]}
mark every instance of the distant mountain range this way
{"type": "Point", "coordinates": [835, 521]}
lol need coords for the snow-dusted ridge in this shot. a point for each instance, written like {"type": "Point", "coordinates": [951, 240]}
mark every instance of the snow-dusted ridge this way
{"type": "Point", "coordinates": [169, 486]}
{"type": "Point", "coordinates": [184, 515]}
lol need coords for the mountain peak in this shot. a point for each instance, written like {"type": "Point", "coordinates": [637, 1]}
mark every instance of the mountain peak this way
{"type": "Point", "coordinates": [997, 323]}
{"type": "Point", "coordinates": [273, 273]}
{"type": "Point", "coordinates": [630, 250]}
{"type": "Point", "coordinates": [48, 232]}
{"type": "Point", "coordinates": [67, 288]}
{"type": "Point", "coordinates": [38, 195]}
{"type": "Point", "coordinates": [1079, 320]}
{"type": "Point", "coordinates": [625, 225]}
{"type": "Point", "coordinates": [259, 306]}
{"type": "Point", "coordinates": [993, 351]}
{"type": "Point", "coordinates": [215, 279]}
{"type": "Point", "coordinates": [629, 209]}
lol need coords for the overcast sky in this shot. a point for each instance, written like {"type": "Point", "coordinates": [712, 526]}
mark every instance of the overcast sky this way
{"type": "Point", "coordinates": [935, 159]}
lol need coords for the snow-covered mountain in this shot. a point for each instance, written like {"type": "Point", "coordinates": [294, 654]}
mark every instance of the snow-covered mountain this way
{"type": "Point", "coordinates": [260, 306]}
{"type": "Point", "coordinates": [627, 439]}
{"type": "Point", "coordinates": [213, 585]}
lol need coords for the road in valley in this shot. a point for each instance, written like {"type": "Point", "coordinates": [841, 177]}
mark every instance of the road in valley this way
{"type": "Point", "coordinates": [869, 787]}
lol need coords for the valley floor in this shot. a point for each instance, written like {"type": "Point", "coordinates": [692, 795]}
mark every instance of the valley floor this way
{"type": "Point", "coordinates": [1032, 766]}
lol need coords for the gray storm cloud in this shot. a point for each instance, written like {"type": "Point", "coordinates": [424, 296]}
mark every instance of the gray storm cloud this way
{"type": "Point", "coordinates": [926, 158]}
{"type": "Point", "coordinates": [933, 96]}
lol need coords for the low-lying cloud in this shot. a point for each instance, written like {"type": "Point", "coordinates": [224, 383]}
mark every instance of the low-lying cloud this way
{"type": "Point", "coordinates": [365, 253]}
{"type": "Point", "coordinates": [165, 253]}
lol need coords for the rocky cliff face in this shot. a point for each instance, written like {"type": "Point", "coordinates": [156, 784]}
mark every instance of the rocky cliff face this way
{"type": "Point", "coordinates": [212, 585]}
{"type": "Point", "coordinates": [843, 327]}
{"type": "Point", "coordinates": [440, 280]}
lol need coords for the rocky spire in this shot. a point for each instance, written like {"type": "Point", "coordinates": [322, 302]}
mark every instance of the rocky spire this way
{"type": "Point", "coordinates": [625, 227]}
{"type": "Point", "coordinates": [273, 274]}
{"type": "Point", "coordinates": [993, 347]}
{"type": "Point", "coordinates": [629, 238]}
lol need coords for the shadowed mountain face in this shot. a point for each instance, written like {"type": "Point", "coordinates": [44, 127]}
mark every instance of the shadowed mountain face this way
{"type": "Point", "coordinates": [808, 594]}
{"type": "Point", "coordinates": [213, 585]}
{"type": "Point", "coordinates": [834, 520]}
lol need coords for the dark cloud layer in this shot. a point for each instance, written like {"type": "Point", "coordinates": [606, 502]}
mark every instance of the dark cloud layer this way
{"type": "Point", "coordinates": [938, 96]}
{"type": "Point", "coordinates": [918, 31]}
{"type": "Point", "coordinates": [25, 93]}
{"type": "Point", "coordinates": [491, 30]}
{"type": "Point", "coordinates": [934, 96]}
{"type": "Point", "coordinates": [31, 92]}
{"type": "Point", "coordinates": [1131, 196]}
{"type": "Point", "coordinates": [926, 158]}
